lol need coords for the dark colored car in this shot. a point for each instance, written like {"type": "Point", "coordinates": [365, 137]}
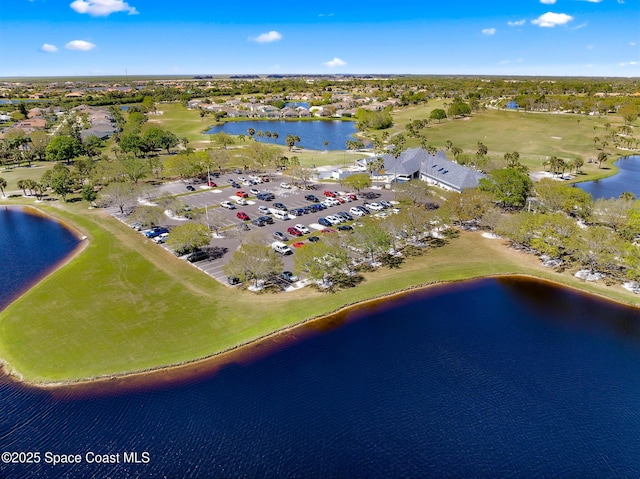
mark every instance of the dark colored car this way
{"type": "Point", "coordinates": [198, 255]}
{"type": "Point", "coordinates": [345, 228]}
{"type": "Point", "coordinates": [280, 206]}
{"type": "Point", "coordinates": [191, 188]}
{"type": "Point", "coordinates": [242, 215]}
{"type": "Point", "coordinates": [294, 232]}
{"type": "Point", "coordinates": [279, 236]}
{"type": "Point", "coordinates": [385, 204]}
{"type": "Point", "coordinates": [344, 215]}
{"type": "Point", "coordinates": [152, 233]}
{"type": "Point", "coordinates": [324, 222]}
{"type": "Point", "coordinates": [211, 184]}
{"type": "Point", "coordinates": [313, 239]}
{"type": "Point", "coordinates": [266, 219]}
{"type": "Point", "coordinates": [298, 211]}
{"type": "Point", "coordinates": [259, 222]}
{"type": "Point", "coordinates": [235, 185]}
{"type": "Point", "coordinates": [232, 280]}
{"type": "Point", "coordinates": [313, 198]}
{"type": "Point", "coordinates": [265, 196]}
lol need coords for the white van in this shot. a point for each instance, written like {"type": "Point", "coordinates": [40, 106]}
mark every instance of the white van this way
{"type": "Point", "coordinates": [281, 215]}
{"type": "Point", "coordinates": [280, 247]}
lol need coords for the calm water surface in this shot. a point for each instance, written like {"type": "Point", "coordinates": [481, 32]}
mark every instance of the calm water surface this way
{"type": "Point", "coordinates": [494, 378]}
{"type": "Point", "coordinates": [312, 134]}
{"type": "Point", "coordinates": [627, 179]}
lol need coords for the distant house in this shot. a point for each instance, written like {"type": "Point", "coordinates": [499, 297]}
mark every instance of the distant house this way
{"type": "Point", "coordinates": [417, 163]}
{"type": "Point", "coordinates": [512, 105]}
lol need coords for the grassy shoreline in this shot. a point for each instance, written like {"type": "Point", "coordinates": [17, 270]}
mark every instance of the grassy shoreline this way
{"type": "Point", "coordinates": [118, 324]}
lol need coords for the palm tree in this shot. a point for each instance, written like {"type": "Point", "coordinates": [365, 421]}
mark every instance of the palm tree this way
{"type": "Point", "coordinates": [22, 184]}
{"type": "Point", "coordinates": [275, 136]}
{"type": "Point", "coordinates": [251, 132]}
{"type": "Point", "coordinates": [267, 134]}
{"type": "Point", "coordinates": [602, 157]}
{"type": "Point", "coordinates": [3, 185]}
{"type": "Point", "coordinates": [325, 143]}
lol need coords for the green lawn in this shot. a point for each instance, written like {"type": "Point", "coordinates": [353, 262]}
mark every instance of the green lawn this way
{"type": "Point", "coordinates": [34, 172]}
{"type": "Point", "coordinates": [124, 304]}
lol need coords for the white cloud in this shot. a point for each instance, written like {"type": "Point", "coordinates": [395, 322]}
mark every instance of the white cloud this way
{"type": "Point", "coordinates": [633, 44]}
{"type": "Point", "coordinates": [551, 19]}
{"type": "Point", "coordinates": [624, 64]}
{"type": "Point", "coordinates": [595, 1]}
{"type": "Point", "coordinates": [517, 23]}
{"type": "Point", "coordinates": [102, 8]}
{"type": "Point", "coordinates": [548, 2]}
{"type": "Point", "coordinates": [79, 45]}
{"type": "Point", "coordinates": [489, 31]}
{"type": "Point", "coordinates": [326, 14]}
{"type": "Point", "coordinates": [48, 48]}
{"type": "Point", "coordinates": [268, 37]}
{"type": "Point", "coordinates": [336, 62]}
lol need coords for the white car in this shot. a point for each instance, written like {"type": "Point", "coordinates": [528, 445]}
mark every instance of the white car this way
{"type": "Point", "coordinates": [241, 201]}
{"type": "Point", "coordinates": [334, 220]}
{"type": "Point", "coordinates": [303, 229]}
{"type": "Point", "coordinates": [161, 238]}
{"type": "Point", "coordinates": [228, 205]}
{"type": "Point", "coordinates": [356, 212]}
{"type": "Point", "coordinates": [375, 206]}
{"type": "Point", "coordinates": [286, 186]}
{"type": "Point", "coordinates": [331, 202]}
{"type": "Point", "coordinates": [264, 210]}
{"type": "Point", "coordinates": [241, 179]}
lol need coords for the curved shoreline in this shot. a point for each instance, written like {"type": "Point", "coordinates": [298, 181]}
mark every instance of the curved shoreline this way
{"type": "Point", "coordinates": [251, 350]}
{"type": "Point", "coordinates": [82, 244]}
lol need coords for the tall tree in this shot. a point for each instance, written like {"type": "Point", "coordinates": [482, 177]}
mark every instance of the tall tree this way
{"type": "Point", "coordinates": [63, 149]}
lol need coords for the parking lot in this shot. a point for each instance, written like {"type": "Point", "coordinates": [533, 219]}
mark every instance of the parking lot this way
{"type": "Point", "coordinates": [202, 197]}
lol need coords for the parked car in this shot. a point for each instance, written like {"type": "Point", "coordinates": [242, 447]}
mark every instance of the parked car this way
{"type": "Point", "coordinates": [328, 230]}
{"type": "Point", "coordinates": [254, 192]}
{"type": "Point", "coordinates": [280, 206]}
{"type": "Point", "coordinates": [345, 228]}
{"type": "Point", "coordinates": [266, 196]}
{"type": "Point", "coordinates": [329, 194]}
{"type": "Point", "coordinates": [233, 280]}
{"type": "Point", "coordinates": [293, 231]}
{"type": "Point", "coordinates": [324, 221]}
{"type": "Point", "coordinates": [242, 215]}
{"type": "Point", "coordinates": [375, 206]}
{"type": "Point", "coordinates": [356, 211]}
{"type": "Point", "coordinates": [211, 184]}
{"type": "Point", "coordinates": [289, 276]}
{"type": "Point", "coordinates": [313, 198]}
{"type": "Point", "coordinates": [259, 222]}
{"type": "Point", "coordinates": [334, 220]}
{"type": "Point", "coordinates": [242, 194]}
{"type": "Point", "coordinates": [161, 238]}
{"type": "Point", "coordinates": [264, 210]}
{"type": "Point", "coordinates": [191, 188]}
{"type": "Point", "coordinates": [152, 233]}
{"type": "Point", "coordinates": [313, 239]}
{"type": "Point", "coordinates": [281, 248]}
{"type": "Point", "coordinates": [344, 215]}
{"type": "Point", "coordinates": [286, 186]}
{"type": "Point", "coordinates": [228, 205]}
{"type": "Point", "coordinates": [302, 228]}
{"type": "Point", "coordinates": [137, 226]}
{"type": "Point", "coordinates": [198, 255]}
{"type": "Point", "coordinates": [279, 236]}
{"type": "Point", "coordinates": [298, 244]}
{"type": "Point", "coordinates": [266, 219]}
{"type": "Point", "coordinates": [241, 201]}
{"type": "Point", "coordinates": [235, 185]}
{"type": "Point", "coordinates": [385, 203]}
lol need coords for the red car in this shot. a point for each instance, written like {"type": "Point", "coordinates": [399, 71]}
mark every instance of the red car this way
{"type": "Point", "coordinates": [211, 184]}
{"type": "Point", "coordinates": [242, 194]}
{"type": "Point", "coordinates": [352, 197]}
{"type": "Point", "coordinates": [328, 230]}
{"type": "Point", "coordinates": [294, 232]}
{"type": "Point", "coordinates": [298, 244]}
{"type": "Point", "coordinates": [330, 194]}
{"type": "Point", "coordinates": [341, 200]}
{"type": "Point", "coordinates": [242, 215]}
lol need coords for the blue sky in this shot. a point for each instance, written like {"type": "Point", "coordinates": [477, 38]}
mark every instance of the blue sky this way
{"type": "Point", "coordinates": [492, 37]}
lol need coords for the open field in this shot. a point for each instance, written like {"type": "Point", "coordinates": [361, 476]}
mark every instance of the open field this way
{"type": "Point", "coordinates": [184, 123]}
{"type": "Point", "coordinates": [126, 305]}
{"type": "Point", "coordinates": [34, 172]}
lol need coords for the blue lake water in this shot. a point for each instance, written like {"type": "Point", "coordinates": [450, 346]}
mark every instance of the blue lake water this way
{"type": "Point", "coordinates": [627, 179]}
{"type": "Point", "coordinates": [312, 134]}
{"type": "Point", "coordinates": [495, 378]}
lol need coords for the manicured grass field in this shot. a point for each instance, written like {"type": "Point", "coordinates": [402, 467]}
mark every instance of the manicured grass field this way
{"type": "Point", "coordinates": [124, 304]}
{"type": "Point", "coordinates": [34, 172]}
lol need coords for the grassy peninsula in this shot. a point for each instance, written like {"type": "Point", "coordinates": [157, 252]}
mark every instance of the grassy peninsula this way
{"type": "Point", "coordinates": [124, 305]}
